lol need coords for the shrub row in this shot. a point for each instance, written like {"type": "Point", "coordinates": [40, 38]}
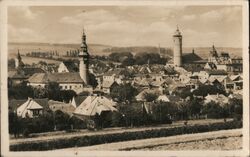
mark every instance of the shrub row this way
{"type": "Point", "coordinates": [125, 136]}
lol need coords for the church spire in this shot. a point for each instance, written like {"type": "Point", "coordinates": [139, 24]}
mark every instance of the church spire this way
{"type": "Point", "coordinates": [18, 55]}
{"type": "Point", "coordinates": [84, 60]}
{"type": "Point", "coordinates": [18, 61]}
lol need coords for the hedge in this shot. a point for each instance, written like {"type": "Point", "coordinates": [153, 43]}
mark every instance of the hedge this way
{"type": "Point", "coordinates": [124, 136]}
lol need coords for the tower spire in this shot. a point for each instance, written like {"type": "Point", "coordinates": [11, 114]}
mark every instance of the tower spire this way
{"type": "Point", "coordinates": [84, 60]}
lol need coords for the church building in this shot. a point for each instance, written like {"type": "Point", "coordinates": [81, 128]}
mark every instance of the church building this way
{"type": "Point", "coordinates": [77, 81]}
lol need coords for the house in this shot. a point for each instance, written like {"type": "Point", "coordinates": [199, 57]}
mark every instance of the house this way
{"type": "Point", "coordinates": [32, 108]}
{"type": "Point", "coordinates": [16, 77]}
{"type": "Point", "coordinates": [210, 66]}
{"type": "Point", "coordinates": [238, 81]}
{"type": "Point", "coordinates": [107, 86]}
{"type": "Point", "coordinates": [68, 66]}
{"type": "Point", "coordinates": [29, 71]}
{"type": "Point", "coordinates": [193, 82]}
{"type": "Point", "coordinates": [141, 95]}
{"type": "Point", "coordinates": [66, 108]}
{"type": "Point", "coordinates": [217, 98]}
{"type": "Point", "coordinates": [95, 105]}
{"type": "Point", "coordinates": [161, 85]}
{"type": "Point", "coordinates": [66, 81]}
{"type": "Point", "coordinates": [236, 96]}
{"type": "Point", "coordinates": [114, 75]}
{"type": "Point", "coordinates": [169, 98]}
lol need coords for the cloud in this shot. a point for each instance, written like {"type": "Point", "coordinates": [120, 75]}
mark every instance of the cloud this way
{"type": "Point", "coordinates": [90, 17]}
{"type": "Point", "coordinates": [24, 12]}
{"type": "Point", "coordinates": [226, 13]}
{"type": "Point", "coordinates": [189, 17]}
{"type": "Point", "coordinates": [21, 34]}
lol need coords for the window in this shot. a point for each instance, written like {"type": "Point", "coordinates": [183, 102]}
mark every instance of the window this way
{"type": "Point", "coordinates": [65, 87]}
{"type": "Point", "coordinates": [36, 112]}
{"type": "Point", "coordinates": [70, 87]}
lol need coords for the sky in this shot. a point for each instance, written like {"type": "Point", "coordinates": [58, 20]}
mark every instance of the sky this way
{"type": "Point", "coordinates": [201, 26]}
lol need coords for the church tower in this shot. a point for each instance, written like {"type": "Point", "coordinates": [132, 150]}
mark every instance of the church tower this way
{"type": "Point", "coordinates": [84, 60]}
{"type": "Point", "coordinates": [18, 61]}
{"type": "Point", "coordinates": [177, 38]}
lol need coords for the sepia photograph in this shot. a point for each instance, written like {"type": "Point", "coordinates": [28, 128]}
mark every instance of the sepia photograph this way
{"type": "Point", "coordinates": [125, 78]}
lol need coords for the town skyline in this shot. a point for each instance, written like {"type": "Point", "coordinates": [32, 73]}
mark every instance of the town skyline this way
{"type": "Point", "coordinates": [124, 26]}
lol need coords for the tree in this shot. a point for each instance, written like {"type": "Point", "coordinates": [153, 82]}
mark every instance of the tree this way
{"type": "Point", "coordinates": [195, 107]}
{"type": "Point", "coordinates": [124, 92]}
{"type": "Point", "coordinates": [235, 108]}
{"type": "Point", "coordinates": [39, 92]}
{"type": "Point", "coordinates": [213, 110]}
{"type": "Point", "coordinates": [183, 110]}
{"type": "Point", "coordinates": [203, 90]}
{"type": "Point", "coordinates": [163, 112]}
{"type": "Point", "coordinates": [53, 91]}
{"type": "Point", "coordinates": [92, 80]}
{"type": "Point", "coordinates": [150, 96]}
{"type": "Point", "coordinates": [67, 95]}
{"type": "Point", "coordinates": [11, 63]}
{"type": "Point", "coordinates": [128, 61]}
{"type": "Point", "coordinates": [132, 114]}
{"type": "Point", "coordinates": [20, 91]}
{"type": "Point", "coordinates": [149, 58]}
{"type": "Point", "coordinates": [184, 93]}
{"type": "Point", "coordinates": [120, 56]}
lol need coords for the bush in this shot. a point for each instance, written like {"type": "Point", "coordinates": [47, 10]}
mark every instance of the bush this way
{"type": "Point", "coordinates": [123, 136]}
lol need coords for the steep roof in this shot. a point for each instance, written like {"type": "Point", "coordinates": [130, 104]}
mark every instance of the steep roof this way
{"type": "Point", "coordinates": [71, 66]}
{"type": "Point", "coordinates": [190, 57]}
{"type": "Point", "coordinates": [29, 71]}
{"type": "Point", "coordinates": [216, 72]}
{"type": "Point", "coordinates": [16, 74]}
{"type": "Point", "coordinates": [14, 104]}
{"type": "Point", "coordinates": [174, 98]}
{"type": "Point", "coordinates": [93, 105]}
{"type": "Point", "coordinates": [79, 99]}
{"type": "Point", "coordinates": [108, 84]}
{"type": "Point", "coordinates": [56, 77]}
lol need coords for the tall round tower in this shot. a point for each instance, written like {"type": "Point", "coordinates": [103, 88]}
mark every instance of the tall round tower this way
{"type": "Point", "coordinates": [84, 60]}
{"type": "Point", "coordinates": [177, 37]}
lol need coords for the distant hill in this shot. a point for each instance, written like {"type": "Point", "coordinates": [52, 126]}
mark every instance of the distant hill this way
{"type": "Point", "coordinates": [24, 48]}
{"type": "Point", "coordinates": [98, 49]}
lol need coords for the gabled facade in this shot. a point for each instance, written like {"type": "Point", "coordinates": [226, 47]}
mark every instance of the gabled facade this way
{"type": "Point", "coordinates": [31, 108]}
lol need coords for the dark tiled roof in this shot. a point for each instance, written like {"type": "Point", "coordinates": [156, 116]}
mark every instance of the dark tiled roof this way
{"type": "Point", "coordinates": [174, 98]}
{"type": "Point", "coordinates": [79, 99]}
{"type": "Point", "coordinates": [14, 104]}
{"type": "Point", "coordinates": [16, 74]}
{"type": "Point", "coordinates": [216, 72]}
{"type": "Point", "coordinates": [190, 57]}
{"type": "Point", "coordinates": [56, 77]}
{"type": "Point", "coordinates": [29, 71]}
{"type": "Point", "coordinates": [71, 66]}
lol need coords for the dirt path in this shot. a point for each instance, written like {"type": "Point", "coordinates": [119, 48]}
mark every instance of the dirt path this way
{"type": "Point", "coordinates": [216, 140]}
